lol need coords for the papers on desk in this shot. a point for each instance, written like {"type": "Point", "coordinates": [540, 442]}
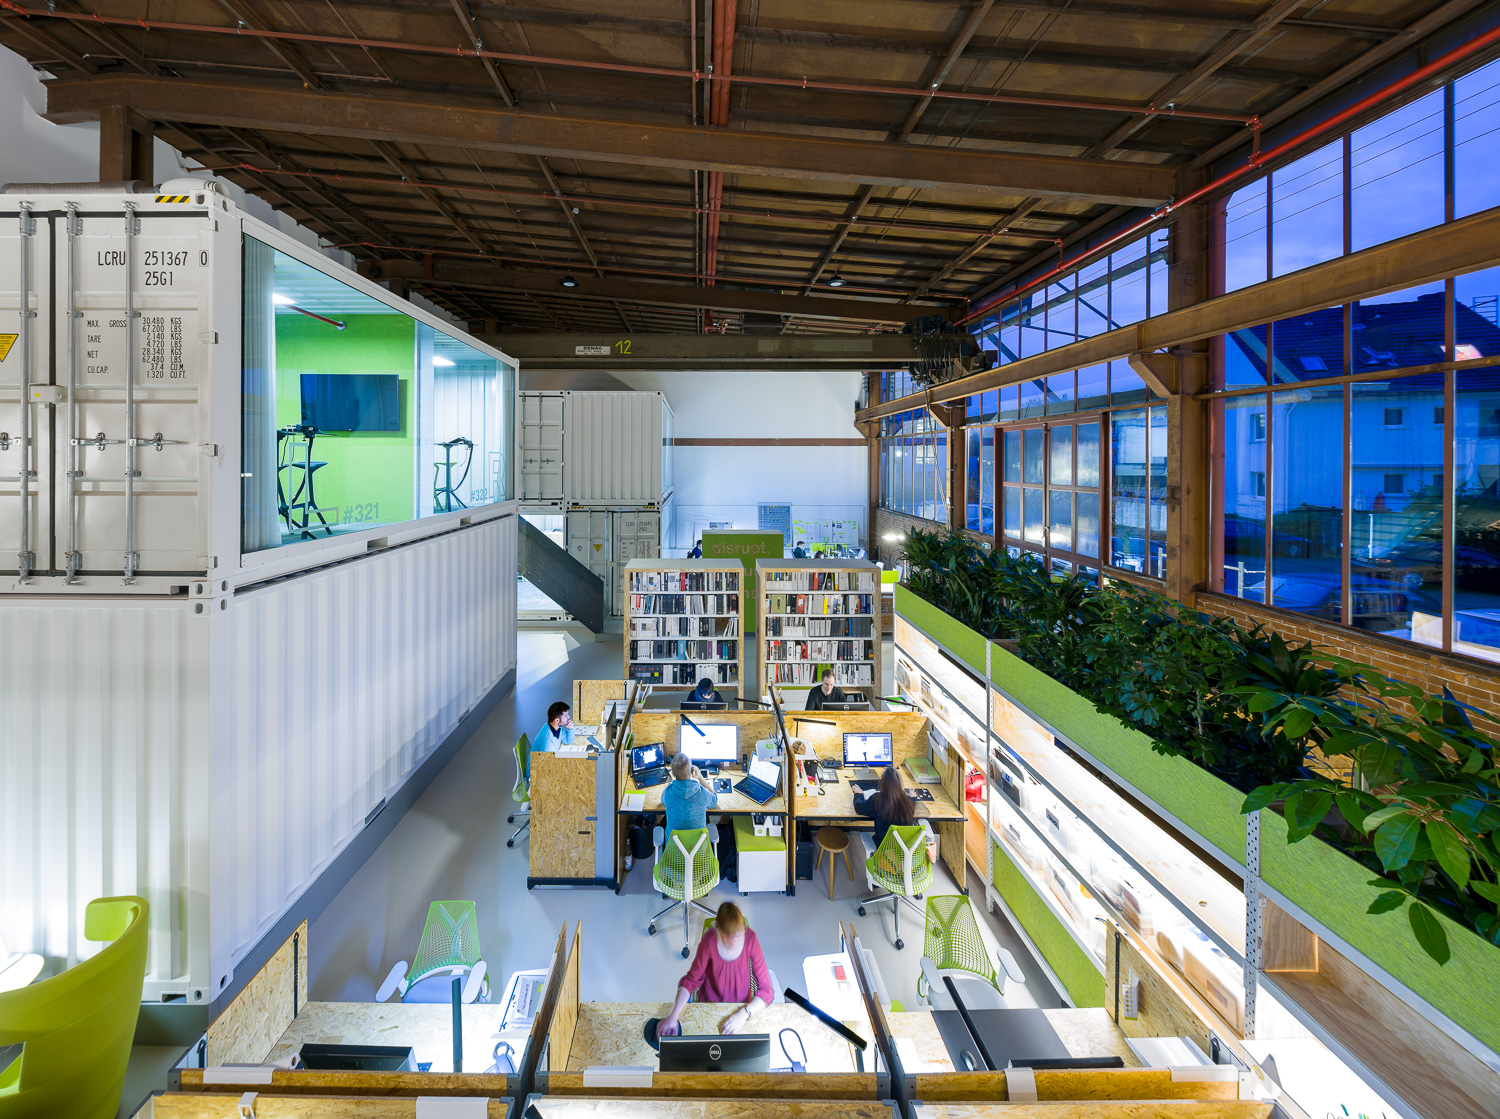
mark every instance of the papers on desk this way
{"type": "Point", "coordinates": [522, 998]}
{"type": "Point", "coordinates": [633, 802]}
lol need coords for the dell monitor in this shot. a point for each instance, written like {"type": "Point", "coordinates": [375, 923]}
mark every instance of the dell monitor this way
{"type": "Point", "coordinates": [716, 1053]}
{"type": "Point", "coordinates": [703, 705]}
{"type": "Point", "coordinates": [351, 401]}
{"type": "Point", "coordinates": [719, 744]}
{"type": "Point", "coordinates": [867, 749]}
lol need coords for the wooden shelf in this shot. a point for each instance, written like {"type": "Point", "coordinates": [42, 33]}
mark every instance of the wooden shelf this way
{"type": "Point", "coordinates": [734, 573]}
{"type": "Point", "coordinates": [856, 571]}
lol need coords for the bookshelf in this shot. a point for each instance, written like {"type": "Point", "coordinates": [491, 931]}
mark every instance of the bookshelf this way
{"type": "Point", "coordinates": [682, 622]}
{"type": "Point", "coordinates": [816, 613]}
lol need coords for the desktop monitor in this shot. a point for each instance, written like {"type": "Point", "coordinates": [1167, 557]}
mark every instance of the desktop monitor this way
{"type": "Point", "coordinates": [719, 744]}
{"type": "Point", "coordinates": [867, 749]}
{"type": "Point", "coordinates": [703, 705]}
{"type": "Point", "coordinates": [716, 1053]}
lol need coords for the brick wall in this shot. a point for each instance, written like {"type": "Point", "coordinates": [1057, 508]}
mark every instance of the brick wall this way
{"type": "Point", "coordinates": [888, 523]}
{"type": "Point", "coordinates": [1471, 681]}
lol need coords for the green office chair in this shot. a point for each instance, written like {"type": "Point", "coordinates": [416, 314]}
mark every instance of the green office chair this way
{"type": "Point", "coordinates": [953, 947]}
{"type": "Point", "coordinates": [686, 869]}
{"type": "Point", "coordinates": [449, 948]}
{"type": "Point", "coordinates": [76, 1028]}
{"type": "Point", "coordinates": [899, 871]}
{"type": "Point", "coordinates": [521, 791]}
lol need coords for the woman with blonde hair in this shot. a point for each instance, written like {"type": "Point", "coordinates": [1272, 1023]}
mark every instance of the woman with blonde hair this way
{"type": "Point", "coordinates": [721, 972]}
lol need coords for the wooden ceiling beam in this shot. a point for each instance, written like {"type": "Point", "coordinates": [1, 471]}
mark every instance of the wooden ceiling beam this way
{"type": "Point", "coordinates": [248, 15]}
{"type": "Point", "coordinates": [789, 155]}
{"type": "Point", "coordinates": [487, 277]}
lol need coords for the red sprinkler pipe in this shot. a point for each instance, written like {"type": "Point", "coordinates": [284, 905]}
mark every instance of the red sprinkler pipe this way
{"type": "Point", "coordinates": [617, 67]}
{"type": "Point", "coordinates": [1257, 159]}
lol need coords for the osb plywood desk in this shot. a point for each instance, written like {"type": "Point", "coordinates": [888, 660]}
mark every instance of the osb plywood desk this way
{"type": "Point", "coordinates": [731, 803]}
{"type": "Point", "coordinates": [426, 1027]}
{"type": "Point", "coordinates": [836, 803]}
{"type": "Point", "coordinates": [612, 1033]}
{"type": "Point", "coordinates": [1087, 1032]}
{"type": "Point", "coordinates": [572, 1107]}
{"type": "Point", "coordinates": [1097, 1109]}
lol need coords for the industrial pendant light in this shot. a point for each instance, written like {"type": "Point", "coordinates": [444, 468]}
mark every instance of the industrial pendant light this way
{"type": "Point", "coordinates": [838, 280]}
{"type": "Point", "coordinates": [568, 281]}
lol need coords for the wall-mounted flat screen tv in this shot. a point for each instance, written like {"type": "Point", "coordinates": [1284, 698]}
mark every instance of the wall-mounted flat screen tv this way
{"type": "Point", "coordinates": [351, 401]}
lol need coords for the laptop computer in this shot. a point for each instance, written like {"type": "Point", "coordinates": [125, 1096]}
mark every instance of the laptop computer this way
{"type": "Point", "coordinates": [763, 783]}
{"type": "Point", "coordinates": [648, 765]}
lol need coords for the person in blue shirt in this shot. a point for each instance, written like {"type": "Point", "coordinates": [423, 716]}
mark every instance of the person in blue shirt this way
{"type": "Point", "coordinates": [688, 799]}
{"type": "Point", "coordinates": [705, 692]}
{"type": "Point", "coordinates": [557, 731]}
{"type": "Point", "coordinates": [697, 552]}
{"type": "Point", "coordinates": [800, 551]}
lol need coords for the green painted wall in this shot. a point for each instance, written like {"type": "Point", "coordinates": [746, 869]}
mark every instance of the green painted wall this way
{"type": "Point", "coordinates": [747, 547]}
{"type": "Point", "coordinates": [1085, 983]}
{"type": "Point", "coordinates": [369, 476]}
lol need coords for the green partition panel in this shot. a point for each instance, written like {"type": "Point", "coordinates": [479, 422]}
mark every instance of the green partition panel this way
{"type": "Point", "coordinates": [1084, 981]}
{"type": "Point", "coordinates": [747, 546]}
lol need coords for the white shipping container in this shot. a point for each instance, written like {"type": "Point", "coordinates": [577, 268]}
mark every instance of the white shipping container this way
{"type": "Point", "coordinates": [541, 450]}
{"type": "Point", "coordinates": [617, 448]}
{"type": "Point", "coordinates": [605, 540]}
{"type": "Point", "coordinates": [215, 756]}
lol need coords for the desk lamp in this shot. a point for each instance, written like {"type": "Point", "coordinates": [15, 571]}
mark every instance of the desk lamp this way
{"type": "Point", "coordinates": [692, 724]}
{"type": "Point", "coordinates": [902, 700]}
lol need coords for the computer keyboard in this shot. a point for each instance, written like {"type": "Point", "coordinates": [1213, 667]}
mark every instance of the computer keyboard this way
{"type": "Point", "coordinates": [647, 778]}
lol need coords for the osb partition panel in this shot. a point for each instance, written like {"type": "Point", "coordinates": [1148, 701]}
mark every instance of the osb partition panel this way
{"type": "Point", "coordinates": [555, 1107]}
{"type": "Point", "coordinates": [1163, 1009]}
{"type": "Point", "coordinates": [666, 727]}
{"type": "Point", "coordinates": [908, 731]}
{"type": "Point", "coordinates": [1090, 1084]}
{"type": "Point", "coordinates": [565, 1014]}
{"type": "Point", "coordinates": [385, 1084]}
{"type": "Point", "coordinates": [733, 1085]}
{"type": "Point", "coordinates": [562, 800]}
{"type": "Point", "coordinates": [261, 1012]}
{"type": "Point", "coordinates": [200, 1106]}
{"type": "Point", "coordinates": [590, 696]}
{"type": "Point", "coordinates": [1180, 1109]}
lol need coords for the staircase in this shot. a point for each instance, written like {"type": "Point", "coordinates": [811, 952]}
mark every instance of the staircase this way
{"type": "Point", "coordinates": [561, 577]}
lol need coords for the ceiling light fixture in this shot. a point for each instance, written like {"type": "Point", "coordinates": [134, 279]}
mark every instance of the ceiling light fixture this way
{"type": "Point", "coordinates": [440, 361]}
{"type": "Point", "coordinates": [568, 281]}
{"type": "Point", "coordinates": [838, 280]}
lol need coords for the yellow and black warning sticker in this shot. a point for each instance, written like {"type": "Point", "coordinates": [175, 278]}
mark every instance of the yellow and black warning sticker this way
{"type": "Point", "coordinates": [174, 197]}
{"type": "Point", "coordinates": [6, 342]}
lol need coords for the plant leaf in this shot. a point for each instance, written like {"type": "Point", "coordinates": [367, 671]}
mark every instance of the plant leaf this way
{"type": "Point", "coordinates": [1395, 840]}
{"type": "Point", "coordinates": [1307, 814]}
{"type": "Point", "coordinates": [1263, 701]}
{"type": "Point", "coordinates": [1297, 723]}
{"type": "Point", "coordinates": [1449, 850]}
{"type": "Point", "coordinates": [1261, 797]}
{"type": "Point", "coordinates": [1381, 815]}
{"type": "Point", "coordinates": [1391, 899]}
{"type": "Point", "coordinates": [1487, 890]}
{"type": "Point", "coordinates": [1351, 810]}
{"type": "Point", "coordinates": [1430, 934]}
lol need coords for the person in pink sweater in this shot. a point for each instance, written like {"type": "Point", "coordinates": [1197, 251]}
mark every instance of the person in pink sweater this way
{"type": "Point", "coordinates": [721, 972]}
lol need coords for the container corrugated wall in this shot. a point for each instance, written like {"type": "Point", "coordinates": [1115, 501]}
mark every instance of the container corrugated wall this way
{"type": "Point", "coordinates": [229, 755]}
{"type": "Point", "coordinates": [613, 450]}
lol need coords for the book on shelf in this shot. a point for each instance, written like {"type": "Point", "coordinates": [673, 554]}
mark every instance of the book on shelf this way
{"type": "Point", "coordinates": [684, 581]}
{"type": "Point", "coordinates": [820, 627]}
{"type": "Point", "coordinates": [783, 650]}
{"type": "Point", "coordinates": [684, 604]}
{"type": "Point", "coordinates": [823, 580]}
{"type": "Point", "coordinates": [855, 675]}
{"type": "Point", "coordinates": [656, 650]}
{"type": "Point", "coordinates": [820, 604]}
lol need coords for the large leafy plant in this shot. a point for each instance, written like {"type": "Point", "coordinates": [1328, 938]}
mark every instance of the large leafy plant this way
{"type": "Point", "coordinates": [1426, 816]}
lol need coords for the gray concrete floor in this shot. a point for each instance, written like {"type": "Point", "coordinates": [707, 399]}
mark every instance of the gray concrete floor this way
{"type": "Point", "coordinates": [451, 844]}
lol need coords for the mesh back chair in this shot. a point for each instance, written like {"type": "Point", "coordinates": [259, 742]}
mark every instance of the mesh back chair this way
{"type": "Point", "coordinates": [687, 868]}
{"type": "Point", "coordinates": [898, 871]}
{"type": "Point", "coordinates": [954, 947]}
{"type": "Point", "coordinates": [76, 1029]}
{"type": "Point", "coordinates": [520, 792]}
{"type": "Point", "coordinates": [449, 947]}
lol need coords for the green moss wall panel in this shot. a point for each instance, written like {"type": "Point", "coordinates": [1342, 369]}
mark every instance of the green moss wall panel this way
{"type": "Point", "coordinates": [1333, 889]}
{"type": "Point", "coordinates": [964, 643]}
{"type": "Point", "coordinates": [365, 468]}
{"type": "Point", "coordinates": [1083, 980]}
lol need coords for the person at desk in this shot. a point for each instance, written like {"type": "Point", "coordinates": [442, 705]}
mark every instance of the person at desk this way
{"type": "Point", "coordinates": [800, 551]}
{"type": "Point", "coordinates": [721, 972]}
{"type": "Point", "coordinates": [689, 799]}
{"type": "Point", "coordinates": [705, 692]}
{"type": "Point", "coordinates": [697, 552]}
{"type": "Point", "coordinates": [557, 731]}
{"type": "Point", "coordinates": [888, 804]}
{"type": "Point", "coordinates": [825, 693]}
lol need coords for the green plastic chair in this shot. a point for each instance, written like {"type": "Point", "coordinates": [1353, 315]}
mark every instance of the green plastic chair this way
{"type": "Point", "coordinates": [954, 947]}
{"type": "Point", "coordinates": [449, 947]}
{"type": "Point", "coordinates": [521, 791]}
{"type": "Point", "coordinates": [76, 1028]}
{"type": "Point", "coordinates": [898, 871]}
{"type": "Point", "coordinates": [686, 869]}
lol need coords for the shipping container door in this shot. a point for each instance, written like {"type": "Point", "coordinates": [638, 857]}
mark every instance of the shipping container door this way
{"type": "Point", "coordinates": [26, 428]}
{"type": "Point", "coordinates": [137, 486]}
{"type": "Point", "coordinates": [541, 447]}
{"type": "Point", "coordinates": [647, 534]}
{"type": "Point", "coordinates": [590, 542]}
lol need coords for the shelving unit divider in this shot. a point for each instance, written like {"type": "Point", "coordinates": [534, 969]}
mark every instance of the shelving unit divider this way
{"type": "Point", "coordinates": [666, 637]}
{"type": "Point", "coordinates": [794, 599]}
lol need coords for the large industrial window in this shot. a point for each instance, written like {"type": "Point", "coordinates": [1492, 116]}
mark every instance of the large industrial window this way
{"type": "Point", "coordinates": [914, 465]}
{"type": "Point", "coordinates": [356, 414]}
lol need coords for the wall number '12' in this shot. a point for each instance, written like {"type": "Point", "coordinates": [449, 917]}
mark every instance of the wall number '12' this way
{"type": "Point", "coordinates": [623, 345]}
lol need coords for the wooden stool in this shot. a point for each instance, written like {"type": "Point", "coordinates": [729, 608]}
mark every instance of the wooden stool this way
{"type": "Point", "coordinates": [835, 841]}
